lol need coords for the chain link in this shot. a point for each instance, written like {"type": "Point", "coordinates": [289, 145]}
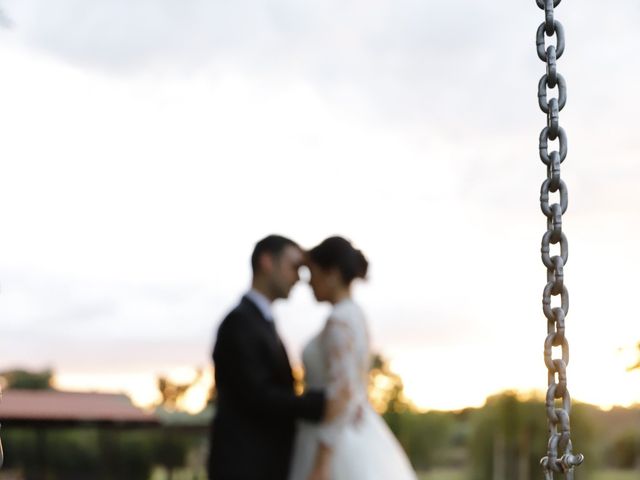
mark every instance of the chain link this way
{"type": "Point", "coordinates": [560, 458]}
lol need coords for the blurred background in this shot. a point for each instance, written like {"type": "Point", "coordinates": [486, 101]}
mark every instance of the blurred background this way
{"type": "Point", "coordinates": [146, 146]}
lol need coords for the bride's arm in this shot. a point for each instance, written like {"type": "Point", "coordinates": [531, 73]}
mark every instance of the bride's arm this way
{"type": "Point", "coordinates": [322, 465]}
{"type": "Point", "coordinates": [337, 343]}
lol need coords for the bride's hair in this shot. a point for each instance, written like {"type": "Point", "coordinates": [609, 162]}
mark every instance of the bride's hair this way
{"type": "Point", "coordinates": [337, 252]}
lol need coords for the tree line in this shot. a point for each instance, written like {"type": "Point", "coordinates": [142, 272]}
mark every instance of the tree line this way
{"type": "Point", "coordinates": [502, 440]}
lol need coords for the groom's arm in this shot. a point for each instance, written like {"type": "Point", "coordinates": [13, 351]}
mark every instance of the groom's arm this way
{"type": "Point", "coordinates": [311, 405]}
{"type": "Point", "coordinates": [249, 380]}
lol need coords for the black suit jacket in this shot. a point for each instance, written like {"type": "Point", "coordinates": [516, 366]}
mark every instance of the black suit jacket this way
{"type": "Point", "coordinates": [253, 429]}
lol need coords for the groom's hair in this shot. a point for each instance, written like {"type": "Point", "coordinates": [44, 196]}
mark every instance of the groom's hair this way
{"type": "Point", "coordinates": [272, 244]}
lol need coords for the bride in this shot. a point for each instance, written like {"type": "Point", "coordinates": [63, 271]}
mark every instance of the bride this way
{"type": "Point", "coordinates": [356, 445]}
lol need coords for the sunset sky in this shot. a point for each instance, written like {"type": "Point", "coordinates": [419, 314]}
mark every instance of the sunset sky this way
{"type": "Point", "coordinates": [146, 146]}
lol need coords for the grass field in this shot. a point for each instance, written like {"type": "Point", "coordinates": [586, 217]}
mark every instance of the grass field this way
{"type": "Point", "coordinates": [442, 475]}
{"type": "Point", "coordinates": [616, 475]}
{"type": "Point", "coordinates": [436, 474]}
{"type": "Point", "coordinates": [603, 475]}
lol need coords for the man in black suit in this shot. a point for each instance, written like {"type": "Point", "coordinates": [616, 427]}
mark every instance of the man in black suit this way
{"type": "Point", "coordinates": [254, 426]}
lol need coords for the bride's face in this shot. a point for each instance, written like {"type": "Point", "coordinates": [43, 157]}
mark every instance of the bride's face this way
{"type": "Point", "coordinates": [322, 282]}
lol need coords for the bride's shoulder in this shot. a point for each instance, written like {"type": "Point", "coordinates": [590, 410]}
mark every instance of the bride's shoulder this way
{"type": "Point", "coordinates": [346, 311]}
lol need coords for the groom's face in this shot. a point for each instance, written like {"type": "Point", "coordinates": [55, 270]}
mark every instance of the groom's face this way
{"type": "Point", "coordinates": [285, 270]}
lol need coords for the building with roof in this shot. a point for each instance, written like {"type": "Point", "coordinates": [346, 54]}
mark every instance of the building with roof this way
{"type": "Point", "coordinates": [53, 408]}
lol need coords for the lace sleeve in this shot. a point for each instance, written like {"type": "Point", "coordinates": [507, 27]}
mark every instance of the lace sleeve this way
{"type": "Point", "coordinates": [338, 345]}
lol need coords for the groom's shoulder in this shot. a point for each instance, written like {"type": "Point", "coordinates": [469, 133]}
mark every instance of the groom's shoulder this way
{"type": "Point", "coordinates": [244, 309]}
{"type": "Point", "coordinates": [239, 316]}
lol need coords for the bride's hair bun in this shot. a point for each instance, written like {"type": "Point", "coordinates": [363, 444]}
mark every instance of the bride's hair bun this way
{"type": "Point", "coordinates": [337, 252]}
{"type": "Point", "coordinates": [362, 264]}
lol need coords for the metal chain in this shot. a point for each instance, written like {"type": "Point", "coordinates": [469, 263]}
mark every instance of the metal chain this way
{"type": "Point", "coordinates": [560, 458]}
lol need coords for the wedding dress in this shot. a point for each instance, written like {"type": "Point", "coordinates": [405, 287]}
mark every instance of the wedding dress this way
{"type": "Point", "coordinates": [362, 450]}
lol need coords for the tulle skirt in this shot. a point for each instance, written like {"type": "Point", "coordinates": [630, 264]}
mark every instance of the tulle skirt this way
{"type": "Point", "coordinates": [366, 451]}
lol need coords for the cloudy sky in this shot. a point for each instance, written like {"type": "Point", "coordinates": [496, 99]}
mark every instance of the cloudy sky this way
{"type": "Point", "coordinates": [146, 145]}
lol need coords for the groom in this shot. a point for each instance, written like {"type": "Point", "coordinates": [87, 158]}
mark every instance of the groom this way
{"type": "Point", "coordinates": [253, 429]}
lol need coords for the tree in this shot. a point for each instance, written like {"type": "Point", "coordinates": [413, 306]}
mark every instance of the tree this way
{"type": "Point", "coordinates": [173, 392]}
{"type": "Point", "coordinates": [636, 365]}
{"type": "Point", "coordinates": [510, 435]}
{"type": "Point", "coordinates": [624, 452]}
{"type": "Point", "coordinates": [386, 389]}
{"type": "Point", "coordinates": [24, 379]}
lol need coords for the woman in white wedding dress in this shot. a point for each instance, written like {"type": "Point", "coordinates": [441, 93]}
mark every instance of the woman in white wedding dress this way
{"type": "Point", "coordinates": [357, 445]}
